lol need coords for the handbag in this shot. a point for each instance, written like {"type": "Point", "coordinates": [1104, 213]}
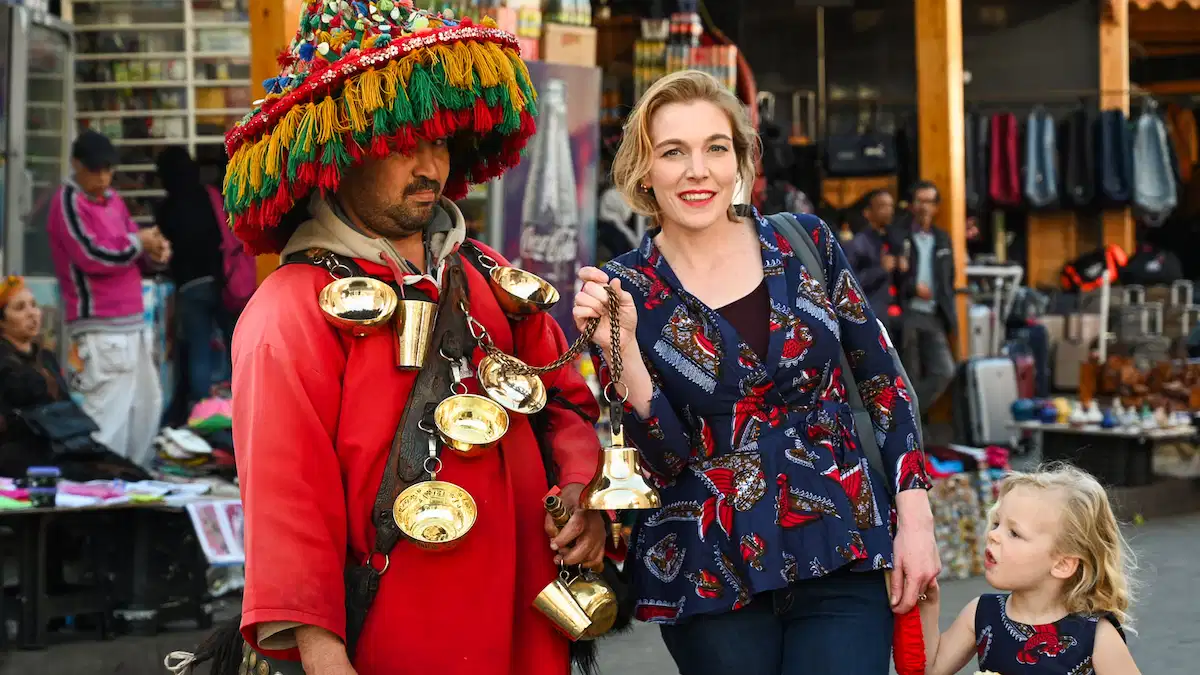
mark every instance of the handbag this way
{"type": "Point", "coordinates": [865, 152]}
{"type": "Point", "coordinates": [63, 425]}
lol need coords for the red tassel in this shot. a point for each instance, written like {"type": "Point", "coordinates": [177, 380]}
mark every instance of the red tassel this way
{"type": "Point", "coordinates": [528, 125]}
{"type": "Point", "coordinates": [306, 178]}
{"type": "Point", "coordinates": [329, 177]}
{"type": "Point", "coordinates": [379, 147]}
{"type": "Point", "coordinates": [434, 127]}
{"type": "Point", "coordinates": [483, 117]}
{"type": "Point", "coordinates": [908, 644]}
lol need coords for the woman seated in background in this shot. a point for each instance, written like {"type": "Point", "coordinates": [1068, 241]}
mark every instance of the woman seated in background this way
{"type": "Point", "coordinates": [30, 377]}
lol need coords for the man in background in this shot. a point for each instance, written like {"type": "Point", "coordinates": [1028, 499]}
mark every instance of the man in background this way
{"type": "Point", "coordinates": [926, 291]}
{"type": "Point", "coordinates": [873, 255]}
{"type": "Point", "coordinates": [98, 252]}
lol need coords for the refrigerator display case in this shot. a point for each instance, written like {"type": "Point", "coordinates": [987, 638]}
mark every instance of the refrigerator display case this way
{"type": "Point", "coordinates": [35, 131]}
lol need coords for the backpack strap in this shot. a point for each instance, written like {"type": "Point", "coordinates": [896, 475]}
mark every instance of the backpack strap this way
{"type": "Point", "coordinates": [806, 251]}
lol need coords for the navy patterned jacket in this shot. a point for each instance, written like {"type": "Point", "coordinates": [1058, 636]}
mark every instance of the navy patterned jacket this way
{"type": "Point", "coordinates": [758, 464]}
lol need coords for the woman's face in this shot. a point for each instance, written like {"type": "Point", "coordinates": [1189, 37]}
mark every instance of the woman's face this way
{"type": "Point", "coordinates": [695, 168]}
{"type": "Point", "coordinates": [22, 317]}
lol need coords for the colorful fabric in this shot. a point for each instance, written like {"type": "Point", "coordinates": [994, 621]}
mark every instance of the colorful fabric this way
{"type": "Point", "coordinates": [366, 79]}
{"type": "Point", "coordinates": [1060, 648]}
{"type": "Point", "coordinates": [757, 460]}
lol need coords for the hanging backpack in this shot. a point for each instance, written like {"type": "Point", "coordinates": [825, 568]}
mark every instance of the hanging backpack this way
{"type": "Point", "coordinates": [1114, 165]}
{"type": "Point", "coordinates": [1154, 196]}
{"type": "Point", "coordinates": [1004, 183]}
{"type": "Point", "coordinates": [1041, 158]}
{"type": "Point", "coordinates": [1086, 272]}
{"type": "Point", "coordinates": [241, 273]}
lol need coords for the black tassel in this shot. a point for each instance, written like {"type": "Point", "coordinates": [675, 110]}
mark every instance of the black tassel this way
{"type": "Point", "coordinates": [222, 648]}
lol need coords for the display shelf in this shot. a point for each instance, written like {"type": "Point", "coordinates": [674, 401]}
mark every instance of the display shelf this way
{"type": "Point", "coordinates": [151, 75]}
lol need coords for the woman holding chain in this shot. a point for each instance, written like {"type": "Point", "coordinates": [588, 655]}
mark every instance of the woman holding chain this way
{"type": "Point", "coordinates": [768, 555]}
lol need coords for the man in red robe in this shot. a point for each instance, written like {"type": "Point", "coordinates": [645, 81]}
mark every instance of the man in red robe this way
{"type": "Point", "coordinates": [366, 137]}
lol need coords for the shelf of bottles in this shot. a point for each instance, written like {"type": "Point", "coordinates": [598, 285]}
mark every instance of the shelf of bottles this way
{"type": "Point", "coordinates": [674, 44]}
{"type": "Point", "coordinates": [155, 73]}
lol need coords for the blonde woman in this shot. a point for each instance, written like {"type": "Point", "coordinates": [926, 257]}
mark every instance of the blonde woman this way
{"type": "Point", "coordinates": [768, 554]}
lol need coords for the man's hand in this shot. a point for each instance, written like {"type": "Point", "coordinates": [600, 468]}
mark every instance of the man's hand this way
{"type": "Point", "coordinates": [923, 292]}
{"type": "Point", "coordinates": [888, 262]}
{"type": "Point", "coordinates": [582, 539]}
{"type": "Point", "coordinates": [322, 652]}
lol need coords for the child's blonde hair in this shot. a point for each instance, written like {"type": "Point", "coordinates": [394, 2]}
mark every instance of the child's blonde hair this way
{"type": "Point", "coordinates": [1090, 532]}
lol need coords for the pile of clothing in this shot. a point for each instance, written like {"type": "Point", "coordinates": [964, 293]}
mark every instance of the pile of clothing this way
{"type": "Point", "coordinates": [204, 447]}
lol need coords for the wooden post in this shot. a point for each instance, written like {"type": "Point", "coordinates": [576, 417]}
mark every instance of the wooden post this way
{"type": "Point", "coordinates": [1114, 93]}
{"type": "Point", "coordinates": [940, 132]}
{"type": "Point", "coordinates": [273, 24]}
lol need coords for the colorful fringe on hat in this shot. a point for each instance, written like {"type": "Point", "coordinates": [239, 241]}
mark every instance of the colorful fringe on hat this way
{"type": "Point", "coordinates": [366, 80]}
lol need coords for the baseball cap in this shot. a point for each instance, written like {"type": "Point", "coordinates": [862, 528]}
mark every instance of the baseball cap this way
{"type": "Point", "coordinates": [94, 151]}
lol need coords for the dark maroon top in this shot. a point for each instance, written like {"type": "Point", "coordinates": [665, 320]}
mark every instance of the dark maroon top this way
{"type": "Point", "coordinates": [750, 316]}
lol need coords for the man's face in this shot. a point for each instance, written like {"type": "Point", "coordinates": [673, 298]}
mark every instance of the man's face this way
{"type": "Point", "coordinates": [93, 182]}
{"type": "Point", "coordinates": [881, 210]}
{"type": "Point", "coordinates": [925, 206]}
{"type": "Point", "coordinates": [394, 197]}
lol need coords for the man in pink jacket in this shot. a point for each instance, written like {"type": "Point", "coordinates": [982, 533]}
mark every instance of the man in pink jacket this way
{"type": "Point", "coordinates": [97, 251]}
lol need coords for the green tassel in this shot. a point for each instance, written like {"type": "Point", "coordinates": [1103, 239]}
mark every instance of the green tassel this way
{"type": "Point", "coordinates": [491, 95]}
{"type": "Point", "coordinates": [381, 123]}
{"type": "Point", "coordinates": [335, 151]}
{"type": "Point", "coordinates": [401, 113]}
{"type": "Point", "coordinates": [297, 155]}
{"type": "Point", "coordinates": [511, 121]}
{"type": "Point", "coordinates": [270, 185]}
{"type": "Point", "coordinates": [421, 93]}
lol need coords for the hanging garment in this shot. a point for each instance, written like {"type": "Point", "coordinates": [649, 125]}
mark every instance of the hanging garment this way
{"type": "Point", "coordinates": [1181, 126]}
{"type": "Point", "coordinates": [976, 141]}
{"type": "Point", "coordinates": [1114, 166]}
{"type": "Point", "coordinates": [1041, 159]}
{"type": "Point", "coordinates": [1154, 195]}
{"type": "Point", "coordinates": [1078, 157]}
{"type": "Point", "coordinates": [1004, 184]}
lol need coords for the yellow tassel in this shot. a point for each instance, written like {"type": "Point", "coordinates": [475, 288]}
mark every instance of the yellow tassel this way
{"type": "Point", "coordinates": [257, 153]}
{"type": "Point", "coordinates": [485, 65]}
{"type": "Point", "coordinates": [327, 120]}
{"type": "Point", "coordinates": [322, 36]}
{"type": "Point", "coordinates": [370, 86]}
{"type": "Point", "coordinates": [391, 80]}
{"type": "Point", "coordinates": [285, 130]}
{"type": "Point", "coordinates": [488, 22]}
{"type": "Point", "coordinates": [509, 77]}
{"type": "Point", "coordinates": [231, 169]}
{"type": "Point", "coordinates": [457, 62]}
{"type": "Point", "coordinates": [243, 171]}
{"type": "Point", "coordinates": [341, 38]}
{"type": "Point", "coordinates": [369, 41]}
{"type": "Point", "coordinates": [273, 162]}
{"type": "Point", "coordinates": [352, 102]}
{"type": "Point", "coordinates": [404, 67]}
{"type": "Point", "coordinates": [521, 71]}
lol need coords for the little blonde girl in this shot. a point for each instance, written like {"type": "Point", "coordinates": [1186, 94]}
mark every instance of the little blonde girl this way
{"type": "Point", "coordinates": [1054, 546]}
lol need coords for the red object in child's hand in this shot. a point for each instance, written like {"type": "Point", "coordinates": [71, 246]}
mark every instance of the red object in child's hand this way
{"type": "Point", "coordinates": [908, 643]}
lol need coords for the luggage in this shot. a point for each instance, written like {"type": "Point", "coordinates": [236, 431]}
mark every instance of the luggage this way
{"type": "Point", "coordinates": [1025, 367]}
{"type": "Point", "coordinates": [1080, 335]}
{"type": "Point", "coordinates": [987, 388]}
{"type": "Point", "coordinates": [980, 325]}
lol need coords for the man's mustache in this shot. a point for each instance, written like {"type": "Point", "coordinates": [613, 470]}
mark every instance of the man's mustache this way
{"type": "Point", "coordinates": [423, 185]}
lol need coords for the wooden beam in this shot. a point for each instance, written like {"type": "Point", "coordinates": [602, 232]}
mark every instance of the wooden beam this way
{"type": "Point", "coordinates": [1114, 94]}
{"type": "Point", "coordinates": [273, 24]}
{"type": "Point", "coordinates": [940, 129]}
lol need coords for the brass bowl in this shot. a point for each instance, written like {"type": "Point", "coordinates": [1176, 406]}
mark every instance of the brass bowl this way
{"type": "Point", "coordinates": [521, 293]}
{"type": "Point", "coordinates": [470, 424]}
{"type": "Point", "coordinates": [525, 394]}
{"type": "Point", "coordinates": [435, 514]}
{"type": "Point", "coordinates": [598, 601]}
{"type": "Point", "coordinates": [361, 305]}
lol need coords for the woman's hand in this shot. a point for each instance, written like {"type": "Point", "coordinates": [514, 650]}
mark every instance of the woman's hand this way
{"type": "Point", "coordinates": [915, 554]}
{"type": "Point", "coordinates": [592, 302]}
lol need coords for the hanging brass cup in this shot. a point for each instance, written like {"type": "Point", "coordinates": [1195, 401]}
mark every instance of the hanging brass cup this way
{"type": "Point", "coordinates": [360, 305]}
{"type": "Point", "coordinates": [520, 393]}
{"type": "Point", "coordinates": [470, 425]}
{"type": "Point", "coordinates": [559, 605]}
{"type": "Point", "coordinates": [414, 331]}
{"type": "Point", "coordinates": [597, 600]}
{"type": "Point", "coordinates": [521, 293]}
{"type": "Point", "coordinates": [435, 514]}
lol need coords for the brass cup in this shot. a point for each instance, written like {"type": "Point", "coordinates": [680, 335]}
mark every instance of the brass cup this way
{"type": "Point", "coordinates": [414, 330]}
{"type": "Point", "coordinates": [470, 425]}
{"type": "Point", "coordinates": [360, 305]}
{"type": "Point", "coordinates": [597, 600]}
{"type": "Point", "coordinates": [525, 394]}
{"type": "Point", "coordinates": [559, 605]}
{"type": "Point", "coordinates": [619, 485]}
{"type": "Point", "coordinates": [521, 293]}
{"type": "Point", "coordinates": [435, 514]}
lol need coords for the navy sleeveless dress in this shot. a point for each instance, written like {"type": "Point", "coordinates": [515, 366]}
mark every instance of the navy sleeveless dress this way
{"type": "Point", "coordinates": [1012, 648]}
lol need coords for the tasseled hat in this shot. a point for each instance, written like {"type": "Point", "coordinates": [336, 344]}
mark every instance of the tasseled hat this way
{"type": "Point", "coordinates": [366, 79]}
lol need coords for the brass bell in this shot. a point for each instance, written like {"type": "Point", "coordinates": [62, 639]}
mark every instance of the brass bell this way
{"type": "Point", "coordinates": [619, 485]}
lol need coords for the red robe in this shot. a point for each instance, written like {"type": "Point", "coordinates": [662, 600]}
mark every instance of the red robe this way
{"type": "Point", "coordinates": [315, 412]}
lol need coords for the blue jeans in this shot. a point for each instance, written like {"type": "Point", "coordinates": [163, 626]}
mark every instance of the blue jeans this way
{"type": "Point", "coordinates": [201, 316]}
{"type": "Point", "coordinates": [833, 625]}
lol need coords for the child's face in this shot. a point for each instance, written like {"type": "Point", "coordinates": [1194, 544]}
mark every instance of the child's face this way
{"type": "Point", "coordinates": [1021, 539]}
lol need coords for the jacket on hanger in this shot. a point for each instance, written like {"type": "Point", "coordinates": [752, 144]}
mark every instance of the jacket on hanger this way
{"type": "Point", "coordinates": [1041, 159]}
{"type": "Point", "coordinates": [1114, 161]}
{"type": "Point", "coordinates": [1078, 156]}
{"type": "Point", "coordinates": [1004, 184]}
{"type": "Point", "coordinates": [976, 131]}
{"type": "Point", "coordinates": [1154, 194]}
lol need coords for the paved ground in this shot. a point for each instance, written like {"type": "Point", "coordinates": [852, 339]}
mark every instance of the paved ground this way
{"type": "Point", "coordinates": [1168, 642]}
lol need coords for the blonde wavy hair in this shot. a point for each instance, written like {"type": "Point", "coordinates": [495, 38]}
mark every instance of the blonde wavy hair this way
{"type": "Point", "coordinates": [1103, 583]}
{"type": "Point", "coordinates": [635, 155]}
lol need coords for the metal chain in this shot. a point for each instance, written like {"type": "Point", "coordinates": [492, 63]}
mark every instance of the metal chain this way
{"type": "Point", "coordinates": [513, 366]}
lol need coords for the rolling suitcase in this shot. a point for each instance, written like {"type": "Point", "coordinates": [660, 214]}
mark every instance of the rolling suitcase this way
{"type": "Point", "coordinates": [980, 323]}
{"type": "Point", "coordinates": [987, 388]}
